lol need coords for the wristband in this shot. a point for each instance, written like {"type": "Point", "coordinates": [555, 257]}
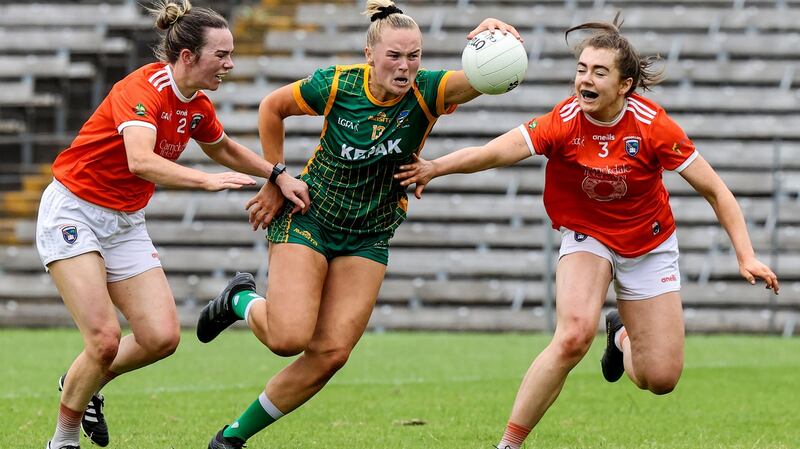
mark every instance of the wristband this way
{"type": "Point", "coordinates": [277, 169]}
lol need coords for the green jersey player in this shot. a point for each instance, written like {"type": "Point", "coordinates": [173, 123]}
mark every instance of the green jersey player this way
{"type": "Point", "coordinates": [326, 266]}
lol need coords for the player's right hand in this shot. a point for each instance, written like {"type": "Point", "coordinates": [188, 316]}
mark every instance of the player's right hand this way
{"type": "Point", "coordinates": [264, 206]}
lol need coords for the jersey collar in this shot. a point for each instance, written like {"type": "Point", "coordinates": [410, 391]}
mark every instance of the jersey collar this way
{"type": "Point", "coordinates": [613, 121]}
{"type": "Point", "coordinates": [374, 100]}
{"type": "Point", "coordinates": [175, 87]}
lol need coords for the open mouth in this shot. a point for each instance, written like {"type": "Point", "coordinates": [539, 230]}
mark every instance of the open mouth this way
{"type": "Point", "coordinates": [400, 81]}
{"type": "Point", "coordinates": [589, 95]}
{"type": "Point", "coordinates": [220, 76]}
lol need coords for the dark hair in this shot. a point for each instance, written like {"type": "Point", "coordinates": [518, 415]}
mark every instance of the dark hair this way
{"type": "Point", "coordinates": [630, 64]}
{"type": "Point", "coordinates": [184, 27]}
{"type": "Point", "coordinates": [384, 13]}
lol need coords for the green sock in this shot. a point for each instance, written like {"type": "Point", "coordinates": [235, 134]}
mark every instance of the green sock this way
{"type": "Point", "coordinates": [259, 415]}
{"type": "Point", "coordinates": [242, 300]}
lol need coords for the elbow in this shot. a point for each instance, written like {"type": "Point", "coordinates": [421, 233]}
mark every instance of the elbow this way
{"type": "Point", "coordinates": [138, 167]}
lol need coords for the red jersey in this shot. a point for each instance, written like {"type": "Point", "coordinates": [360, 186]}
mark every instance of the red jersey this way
{"type": "Point", "coordinates": [95, 166]}
{"type": "Point", "coordinates": [604, 179]}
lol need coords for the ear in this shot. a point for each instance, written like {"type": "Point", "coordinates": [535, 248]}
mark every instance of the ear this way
{"type": "Point", "coordinates": [187, 57]}
{"type": "Point", "coordinates": [625, 85]}
{"type": "Point", "coordinates": [368, 55]}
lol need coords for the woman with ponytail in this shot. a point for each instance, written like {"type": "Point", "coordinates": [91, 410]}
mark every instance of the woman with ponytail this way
{"type": "Point", "coordinates": [606, 148]}
{"type": "Point", "coordinates": [326, 267]}
{"type": "Point", "coordinates": [90, 232]}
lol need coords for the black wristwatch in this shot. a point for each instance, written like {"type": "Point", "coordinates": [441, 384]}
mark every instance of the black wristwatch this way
{"type": "Point", "coordinates": [277, 169]}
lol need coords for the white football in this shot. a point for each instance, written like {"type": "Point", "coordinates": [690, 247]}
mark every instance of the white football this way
{"type": "Point", "coordinates": [495, 62]}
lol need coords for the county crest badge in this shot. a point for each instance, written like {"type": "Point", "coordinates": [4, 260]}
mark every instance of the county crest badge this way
{"type": "Point", "coordinates": [70, 234]}
{"type": "Point", "coordinates": [632, 147]}
{"type": "Point", "coordinates": [195, 121]}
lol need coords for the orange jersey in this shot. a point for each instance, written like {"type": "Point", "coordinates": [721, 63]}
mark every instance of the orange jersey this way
{"type": "Point", "coordinates": [604, 179]}
{"type": "Point", "coordinates": [95, 166]}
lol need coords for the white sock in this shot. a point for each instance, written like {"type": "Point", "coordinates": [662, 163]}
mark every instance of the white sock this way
{"type": "Point", "coordinates": [250, 306]}
{"type": "Point", "coordinates": [618, 336]}
{"type": "Point", "coordinates": [68, 428]}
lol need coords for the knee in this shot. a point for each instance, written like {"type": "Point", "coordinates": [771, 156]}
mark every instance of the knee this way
{"type": "Point", "coordinates": [287, 346]}
{"type": "Point", "coordinates": [573, 344]}
{"type": "Point", "coordinates": [103, 345]}
{"type": "Point", "coordinates": [661, 384]}
{"type": "Point", "coordinates": [330, 361]}
{"type": "Point", "coordinates": [162, 344]}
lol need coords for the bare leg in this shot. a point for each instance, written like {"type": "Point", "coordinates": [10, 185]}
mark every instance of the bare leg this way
{"type": "Point", "coordinates": [285, 323]}
{"type": "Point", "coordinates": [147, 303]}
{"type": "Point", "coordinates": [81, 281]}
{"type": "Point", "coordinates": [582, 281]}
{"type": "Point", "coordinates": [344, 312]}
{"type": "Point", "coordinates": [653, 351]}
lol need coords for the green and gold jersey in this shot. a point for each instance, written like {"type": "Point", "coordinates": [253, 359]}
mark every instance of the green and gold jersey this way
{"type": "Point", "coordinates": [363, 141]}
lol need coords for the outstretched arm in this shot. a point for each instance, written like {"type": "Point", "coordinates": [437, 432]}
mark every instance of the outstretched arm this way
{"type": "Point", "coordinates": [500, 152]}
{"type": "Point", "coordinates": [234, 155]}
{"type": "Point", "coordinates": [144, 163]}
{"type": "Point", "coordinates": [705, 181]}
{"type": "Point", "coordinates": [458, 90]}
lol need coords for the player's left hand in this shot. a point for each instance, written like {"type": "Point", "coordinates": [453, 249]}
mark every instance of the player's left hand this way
{"type": "Point", "coordinates": [419, 172]}
{"type": "Point", "coordinates": [752, 268]}
{"type": "Point", "coordinates": [295, 191]}
{"type": "Point", "coordinates": [492, 25]}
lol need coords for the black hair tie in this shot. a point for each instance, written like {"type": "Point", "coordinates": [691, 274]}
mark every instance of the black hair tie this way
{"type": "Point", "coordinates": [384, 12]}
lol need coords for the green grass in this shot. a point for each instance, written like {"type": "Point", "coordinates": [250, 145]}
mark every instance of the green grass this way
{"type": "Point", "coordinates": [736, 392]}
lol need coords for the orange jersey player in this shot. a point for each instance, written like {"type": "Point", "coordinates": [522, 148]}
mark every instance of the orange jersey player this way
{"type": "Point", "coordinates": [95, 166]}
{"type": "Point", "coordinates": [606, 150]}
{"type": "Point", "coordinates": [91, 233]}
{"type": "Point", "coordinates": [617, 164]}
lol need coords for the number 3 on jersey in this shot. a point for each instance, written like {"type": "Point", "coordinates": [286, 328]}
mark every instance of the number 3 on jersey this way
{"type": "Point", "coordinates": [603, 149]}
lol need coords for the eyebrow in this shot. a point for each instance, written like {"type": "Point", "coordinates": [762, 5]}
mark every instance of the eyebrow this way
{"type": "Point", "coordinates": [596, 67]}
{"type": "Point", "coordinates": [400, 52]}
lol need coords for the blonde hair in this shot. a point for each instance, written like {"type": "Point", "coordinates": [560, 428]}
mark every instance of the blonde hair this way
{"type": "Point", "coordinates": [630, 64]}
{"type": "Point", "coordinates": [384, 13]}
{"type": "Point", "coordinates": [183, 26]}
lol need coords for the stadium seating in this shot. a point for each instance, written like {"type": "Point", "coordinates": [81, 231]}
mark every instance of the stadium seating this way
{"type": "Point", "coordinates": [477, 252]}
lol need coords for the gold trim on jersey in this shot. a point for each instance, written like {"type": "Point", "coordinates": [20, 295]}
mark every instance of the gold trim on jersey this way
{"type": "Point", "coordinates": [374, 100]}
{"type": "Point", "coordinates": [440, 106]}
{"type": "Point", "coordinates": [334, 89]}
{"type": "Point", "coordinates": [431, 118]}
{"type": "Point", "coordinates": [288, 227]}
{"type": "Point", "coordinates": [301, 102]}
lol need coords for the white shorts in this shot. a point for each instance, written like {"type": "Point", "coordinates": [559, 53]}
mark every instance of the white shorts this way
{"type": "Point", "coordinates": [68, 226]}
{"type": "Point", "coordinates": [642, 277]}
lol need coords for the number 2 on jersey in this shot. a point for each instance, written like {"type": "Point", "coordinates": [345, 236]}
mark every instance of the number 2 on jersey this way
{"type": "Point", "coordinates": [182, 125]}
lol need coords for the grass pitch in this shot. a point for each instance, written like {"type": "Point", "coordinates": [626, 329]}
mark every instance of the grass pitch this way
{"type": "Point", "coordinates": [416, 390]}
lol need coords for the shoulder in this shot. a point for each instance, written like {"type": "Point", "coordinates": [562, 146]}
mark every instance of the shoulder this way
{"type": "Point", "coordinates": [568, 109]}
{"type": "Point", "coordinates": [645, 110]}
{"type": "Point", "coordinates": [148, 79]}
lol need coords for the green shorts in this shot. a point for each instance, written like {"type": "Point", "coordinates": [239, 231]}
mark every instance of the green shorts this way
{"type": "Point", "coordinates": [302, 229]}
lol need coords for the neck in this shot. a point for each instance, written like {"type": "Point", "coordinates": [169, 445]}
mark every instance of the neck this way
{"type": "Point", "coordinates": [378, 91]}
{"type": "Point", "coordinates": [612, 112]}
{"type": "Point", "coordinates": [181, 77]}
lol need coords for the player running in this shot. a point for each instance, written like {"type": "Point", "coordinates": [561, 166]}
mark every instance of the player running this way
{"type": "Point", "coordinates": [326, 267]}
{"type": "Point", "coordinates": [606, 148]}
{"type": "Point", "coordinates": [91, 233]}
